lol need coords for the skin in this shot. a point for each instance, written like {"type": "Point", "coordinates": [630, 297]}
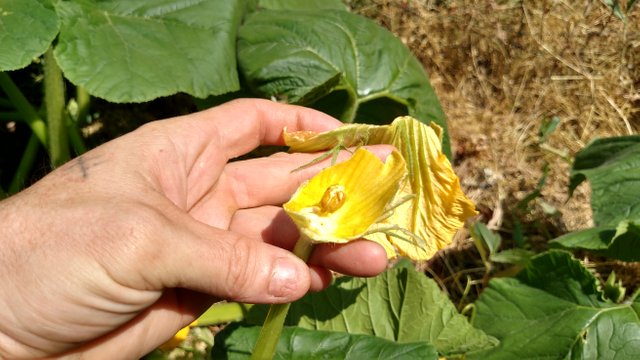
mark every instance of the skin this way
{"type": "Point", "coordinates": [116, 250]}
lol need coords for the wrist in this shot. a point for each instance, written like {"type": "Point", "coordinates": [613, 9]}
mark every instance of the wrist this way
{"type": "Point", "coordinates": [13, 224]}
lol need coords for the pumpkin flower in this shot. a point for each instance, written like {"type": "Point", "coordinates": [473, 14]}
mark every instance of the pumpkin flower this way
{"type": "Point", "coordinates": [436, 208]}
{"type": "Point", "coordinates": [178, 338]}
{"type": "Point", "coordinates": [341, 202]}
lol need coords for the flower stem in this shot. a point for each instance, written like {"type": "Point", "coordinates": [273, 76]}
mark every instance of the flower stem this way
{"type": "Point", "coordinates": [267, 342]}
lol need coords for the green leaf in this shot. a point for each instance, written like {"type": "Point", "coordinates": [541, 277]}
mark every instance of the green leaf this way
{"type": "Point", "coordinates": [619, 242]}
{"type": "Point", "coordinates": [488, 238]}
{"type": "Point", "coordinates": [400, 305]}
{"type": "Point", "coordinates": [614, 5]}
{"type": "Point", "coordinates": [133, 51]}
{"type": "Point", "coordinates": [512, 256]}
{"type": "Point", "coordinates": [547, 128]}
{"type": "Point", "coordinates": [553, 311]}
{"type": "Point", "coordinates": [302, 4]}
{"type": "Point", "coordinates": [612, 166]}
{"type": "Point", "coordinates": [236, 343]}
{"type": "Point", "coordinates": [614, 289]}
{"type": "Point", "coordinates": [291, 54]}
{"type": "Point", "coordinates": [27, 28]}
{"type": "Point", "coordinates": [559, 274]}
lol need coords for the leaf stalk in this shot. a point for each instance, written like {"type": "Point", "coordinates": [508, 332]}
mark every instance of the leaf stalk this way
{"type": "Point", "coordinates": [54, 97]}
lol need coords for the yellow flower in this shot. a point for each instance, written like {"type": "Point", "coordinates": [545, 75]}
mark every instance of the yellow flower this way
{"type": "Point", "coordinates": [342, 201]}
{"type": "Point", "coordinates": [178, 338]}
{"type": "Point", "coordinates": [426, 223]}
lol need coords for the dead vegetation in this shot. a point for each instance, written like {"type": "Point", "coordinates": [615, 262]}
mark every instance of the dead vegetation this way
{"type": "Point", "coordinates": [502, 68]}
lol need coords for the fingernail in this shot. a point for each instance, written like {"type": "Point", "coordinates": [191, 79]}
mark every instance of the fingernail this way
{"type": "Point", "coordinates": [284, 278]}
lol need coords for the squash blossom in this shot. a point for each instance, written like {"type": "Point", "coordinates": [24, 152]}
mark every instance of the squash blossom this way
{"type": "Point", "coordinates": [342, 201]}
{"type": "Point", "coordinates": [178, 338]}
{"type": "Point", "coordinates": [436, 207]}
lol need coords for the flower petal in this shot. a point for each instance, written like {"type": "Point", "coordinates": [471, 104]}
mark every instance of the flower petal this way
{"type": "Point", "coordinates": [439, 207]}
{"type": "Point", "coordinates": [365, 184]}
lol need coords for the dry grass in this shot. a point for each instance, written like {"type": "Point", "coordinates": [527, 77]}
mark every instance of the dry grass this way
{"type": "Point", "coordinates": [501, 68]}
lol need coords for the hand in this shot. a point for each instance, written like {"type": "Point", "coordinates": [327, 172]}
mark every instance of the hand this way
{"type": "Point", "coordinates": [113, 252]}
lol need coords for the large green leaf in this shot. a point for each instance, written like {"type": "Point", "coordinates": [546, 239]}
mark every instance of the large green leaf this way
{"type": "Point", "coordinates": [612, 166]}
{"type": "Point", "coordinates": [132, 51]}
{"type": "Point", "coordinates": [302, 4]}
{"type": "Point", "coordinates": [553, 310]}
{"type": "Point", "coordinates": [619, 242]}
{"type": "Point", "coordinates": [296, 343]}
{"type": "Point", "coordinates": [400, 305]}
{"type": "Point", "coordinates": [27, 28]}
{"type": "Point", "coordinates": [338, 62]}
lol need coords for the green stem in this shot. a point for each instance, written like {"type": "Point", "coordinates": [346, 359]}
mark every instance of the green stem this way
{"type": "Point", "coordinates": [26, 163]}
{"type": "Point", "coordinates": [221, 313]}
{"type": "Point", "coordinates": [267, 342]}
{"type": "Point", "coordinates": [54, 97]}
{"type": "Point", "coordinates": [84, 101]}
{"type": "Point", "coordinates": [24, 108]}
{"type": "Point", "coordinates": [76, 139]}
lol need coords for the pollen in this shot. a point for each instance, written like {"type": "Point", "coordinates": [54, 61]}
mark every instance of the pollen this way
{"type": "Point", "coordinates": [332, 200]}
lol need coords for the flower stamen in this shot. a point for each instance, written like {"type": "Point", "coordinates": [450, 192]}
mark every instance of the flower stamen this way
{"type": "Point", "coordinates": [332, 200]}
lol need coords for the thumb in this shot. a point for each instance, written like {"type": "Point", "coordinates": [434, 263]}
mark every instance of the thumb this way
{"type": "Point", "coordinates": [233, 267]}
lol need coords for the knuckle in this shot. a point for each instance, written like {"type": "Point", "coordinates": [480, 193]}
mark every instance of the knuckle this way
{"type": "Point", "coordinates": [240, 276]}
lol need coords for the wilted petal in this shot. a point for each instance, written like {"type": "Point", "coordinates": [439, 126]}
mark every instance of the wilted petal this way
{"type": "Point", "coordinates": [438, 208]}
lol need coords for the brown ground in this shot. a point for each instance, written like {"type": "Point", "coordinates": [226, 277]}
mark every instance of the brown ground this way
{"type": "Point", "coordinates": [501, 68]}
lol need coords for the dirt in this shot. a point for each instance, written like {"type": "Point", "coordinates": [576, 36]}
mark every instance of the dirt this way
{"type": "Point", "coordinates": [501, 69]}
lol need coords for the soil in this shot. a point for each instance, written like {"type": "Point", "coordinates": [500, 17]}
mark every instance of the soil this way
{"type": "Point", "coordinates": [501, 70]}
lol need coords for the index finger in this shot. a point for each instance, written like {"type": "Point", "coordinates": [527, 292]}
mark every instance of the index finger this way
{"type": "Point", "coordinates": [240, 126]}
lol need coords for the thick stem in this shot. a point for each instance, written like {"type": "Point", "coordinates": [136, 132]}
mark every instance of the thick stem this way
{"type": "Point", "coordinates": [271, 330]}
{"type": "Point", "coordinates": [54, 96]}
{"type": "Point", "coordinates": [24, 108]}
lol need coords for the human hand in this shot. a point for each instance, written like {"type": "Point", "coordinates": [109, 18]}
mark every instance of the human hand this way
{"type": "Point", "coordinates": [113, 252]}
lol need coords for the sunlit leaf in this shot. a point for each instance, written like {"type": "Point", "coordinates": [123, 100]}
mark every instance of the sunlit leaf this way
{"type": "Point", "coordinates": [342, 59]}
{"type": "Point", "coordinates": [302, 4]}
{"type": "Point", "coordinates": [27, 28]}
{"type": "Point", "coordinates": [554, 310]}
{"type": "Point", "coordinates": [133, 51]}
{"type": "Point", "coordinates": [619, 242]}
{"type": "Point", "coordinates": [297, 343]}
{"type": "Point", "coordinates": [612, 166]}
{"type": "Point", "coordinates": [400, 305]}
